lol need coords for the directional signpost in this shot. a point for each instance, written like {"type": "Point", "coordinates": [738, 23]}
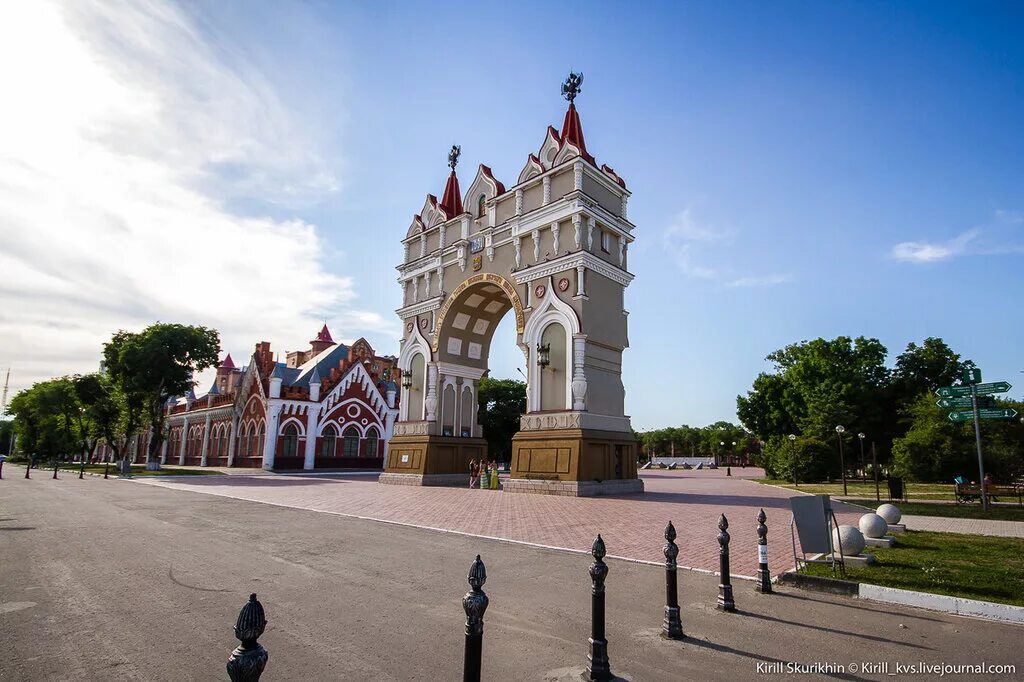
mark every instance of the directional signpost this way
{"type": "Point", "coordinates": [987, 413]}
{"type": "Point", "coordinates": [956, 396]}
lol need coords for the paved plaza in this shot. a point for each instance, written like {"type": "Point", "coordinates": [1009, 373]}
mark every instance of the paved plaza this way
{"type": "Point", "coordinates": [632, 526]}
{"type": "Point", "coordinates": [111, 580]}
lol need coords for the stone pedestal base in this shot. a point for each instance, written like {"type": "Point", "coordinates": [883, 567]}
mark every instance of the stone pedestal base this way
{"type": "Point", "coordinates": [431, 460]}
{"type": "Point", "coordinates": [880, 542]}
{"type": "Point", "coordinates": [573, 488]}
{"type": "Point", "coordinates": [576, 462]}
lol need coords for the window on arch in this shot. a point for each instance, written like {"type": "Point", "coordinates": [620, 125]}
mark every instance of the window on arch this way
{"type": "Point", "coordinates": [350, 442]}
{"type": "Point", "coordinates": [328, 441]}
{"type": "Point", "coordinates": [481, 206]}
{"type": "Point", "coordinates": [291, 441]}
{"type": "Point", "coordinates": [371, 443]}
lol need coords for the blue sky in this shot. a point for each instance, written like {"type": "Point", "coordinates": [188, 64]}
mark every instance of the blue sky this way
{"type": "Point", "coordinates": [798, 170]}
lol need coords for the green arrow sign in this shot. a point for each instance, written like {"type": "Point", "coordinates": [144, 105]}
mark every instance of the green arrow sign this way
{"type": "Point", "coordinates": [983, 389]}
{"type": "Point", "coordinates": [987, 413]}
{"type": "Point", "coordinates": [993, 387]}
{"type": "Point", "coordinates": [953, 403]}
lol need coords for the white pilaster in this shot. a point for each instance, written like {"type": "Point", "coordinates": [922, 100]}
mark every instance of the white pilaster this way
{"type": "Point", "coordinates": [536, 245]}
{"type": "Point", "coordinates": [547, 190]}
{"type": "Point", "coordinates": [206, 442]}
{"type": "Point", "coordinates": [430, 402]}
{"type": "Point", "coordinates": [312, 418]}
{"type": "Point", "coordinates": [577, 176]}
{"type": "Point", "coordinates": [579, 378]}
{"type": "Point", "coordinates": [554, 236]}
{"type": "Point", "coordinates": [184, 442]}
{"type": "Point", "coordinates": [270, 438]}
{"type": "Point", "coordinates": [580, 288]}
{"type": "Point", "coordinates": [519, 202]}
{"type": "Point", "coordinates": [232, 439]}
{"type": "Point", "coordinates": [590, 233]}
{"type": "Point", "coordinates": [577, 225]}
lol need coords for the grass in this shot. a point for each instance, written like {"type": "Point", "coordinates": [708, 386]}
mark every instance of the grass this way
{"type": "Point", "coordinates": [855, 488]}
{"type": "Point", "coordinates": [969, 566]}
{"type": "Point", "coordinates": [960, 511]}
{"type": "Point", "coordinates": [137, 470]}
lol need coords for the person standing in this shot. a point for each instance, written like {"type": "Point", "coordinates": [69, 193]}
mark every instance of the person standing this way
{"type": "Point", "coordinates": [474, 473]}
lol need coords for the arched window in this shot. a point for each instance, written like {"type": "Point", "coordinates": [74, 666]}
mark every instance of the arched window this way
{"type": "Point", "coordinates": [371, 443]}
{"type": "Point", "coordinates": [243, 441]}
{"type": "Point", "coordinates": [260, 440]}
{"type": "Point", "coordinates": [291, 441]}
{"type": "Point", "coordinates": [328, 441]}
{"type": "Point", "coordinates": [481, 206]}
{"type": "Point", "coordinates": [350, 443]}
{"type": "Point", "coordinates": [554, 378]}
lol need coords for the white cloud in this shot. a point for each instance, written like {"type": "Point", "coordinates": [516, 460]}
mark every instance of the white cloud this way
{"type": "Point", "coordinates": [123, 134]}
{"type": "Point", "coordinates": [692, 244]}
{"type": "Point", "coordinates": [1001, 236]}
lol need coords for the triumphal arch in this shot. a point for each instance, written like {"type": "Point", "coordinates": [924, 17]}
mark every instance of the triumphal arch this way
{"type": "Point", "coordinates": [552, 250]}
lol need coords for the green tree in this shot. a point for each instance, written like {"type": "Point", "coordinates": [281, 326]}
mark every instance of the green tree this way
{"type": "Point", "coordinates": [44, 418]}
{"type": "Point", "coordinates": [502, 402]}
{"type": "Point", "coordinates": [6, 433]}
{"type": "Point", "coordinates": [156, 364]}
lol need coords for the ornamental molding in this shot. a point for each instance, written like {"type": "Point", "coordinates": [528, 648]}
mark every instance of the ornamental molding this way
{"type": "Point", "coordinates": [573, 420]}
{"type": "Point", "coordinates": [419, 267]}
{"type": "Point", "coordinates": [420, 308]}
{"type": "Point", "coordinates": [570, 262]}
{"type": "Point", "coordinates": [411, 428]}
{"type": "Point", "coordinates": [488, 277]}
{"type": "Point", "coordinates": [449, 369]}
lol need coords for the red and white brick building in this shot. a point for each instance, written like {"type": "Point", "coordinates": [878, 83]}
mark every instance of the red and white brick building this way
{"type": "Point", "coordinates": [331, 407]}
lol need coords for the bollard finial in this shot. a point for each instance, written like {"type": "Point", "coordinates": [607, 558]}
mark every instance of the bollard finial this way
{"type": "Point", "coordinates": [670, 532]}
{"type": "Point", "coordinates": [761, 516]}
{"type": "Point", "coordinates": [477, 574]}
{"type": "Point", "coordinates": [598, 550]}
{"type": "Point", "coordinates": [248, 660]}
{"type": "Point", "coordinates": [723, 523]}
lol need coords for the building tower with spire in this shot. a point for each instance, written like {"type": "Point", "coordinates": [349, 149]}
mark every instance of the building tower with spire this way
{"type": "Point", "coordinates": [552, 249]}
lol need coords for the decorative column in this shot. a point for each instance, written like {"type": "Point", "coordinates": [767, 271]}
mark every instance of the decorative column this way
{"type": "Point", "coordinates": [430, 402]}
{"type": "Point", "coordinates": [590, 233]}
{"type": "Point", "coordinates": [270, 439]}
{"type": "Point", "coordinates": [423, 245]}
{"type": "Point", "coordinates": [547, 190]}
{"type": "Point", "coordinates": [580, 288]}
{"type": "Point", "coordinates": [625, 199]}
{"type": "Point", "coordinates": [622, 250]}
{"type": "Point", "coordinates": [184, 442]}
{"type": "Point", "coordinates": [206, 442]}
{"type": "Point", "coordinates": [554, 234]}
{"type": "Point", "coordinates": [579, 378]}
{"type": "Point", "coordinates": [577, 224]}
{"type": "Point", "coordinates": [312, 419]}
{"type": "Point", "coordinates": [231, 439]}
{"type": "Point", "coordinates": [577, 176]}
{"type": "Point", "coordinates": [519, 203]}
{"type": "Point", "coordinates": [426, 284]}
{"type": "Point", "coordinates": [536, 245]}
{"type": "Point", "coordinates": [519, 251]}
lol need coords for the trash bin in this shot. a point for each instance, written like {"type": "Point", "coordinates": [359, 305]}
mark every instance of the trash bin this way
{"type": "Point", "coordinates": [896, 488]}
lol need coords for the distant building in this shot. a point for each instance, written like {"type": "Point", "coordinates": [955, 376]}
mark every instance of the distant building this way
{"type": "Point", "coordinates": [329, 407]}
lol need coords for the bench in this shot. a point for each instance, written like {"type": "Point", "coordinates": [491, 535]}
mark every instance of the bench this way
{"type": "Point", "coordinates": [967, 492]}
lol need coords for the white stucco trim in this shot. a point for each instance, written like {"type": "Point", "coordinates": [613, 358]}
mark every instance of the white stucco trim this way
{"type": "Point", "coordinates": [549, 310]}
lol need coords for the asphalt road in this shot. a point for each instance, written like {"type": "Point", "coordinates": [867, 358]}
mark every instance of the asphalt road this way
{"type": "Point", "coordinates": [113, 580]}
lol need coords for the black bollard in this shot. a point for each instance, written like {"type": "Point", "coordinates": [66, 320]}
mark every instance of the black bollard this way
{"type": "Point", "coordinates": [728, 471]}
{"type": "Point", "coordinates": [673, 626]}
{"type": "Point", "coordinates": [106, 468]}
{"type": "Point", "coordinates": [764, 577]}
{"type": "Point", "coordinates": [725, 602]}
{"type": "Point", "coordinates": [248, 660]}
{"type": "Point", "coordinates": [598, 667]}
{"type": "Point", "coordinates": [28, 468]}
{"type": "Point", "coordinates": [475, 603]}
{"type": "Point", "coordinates": [55, 464]}
{"type": "Point", "coordinates": [1, 469]}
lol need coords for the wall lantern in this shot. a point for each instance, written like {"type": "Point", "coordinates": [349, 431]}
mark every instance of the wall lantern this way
{"type": "Point", "coordinates": [407, 381]}
{"type": "Point", "coordinates": [544, 355]}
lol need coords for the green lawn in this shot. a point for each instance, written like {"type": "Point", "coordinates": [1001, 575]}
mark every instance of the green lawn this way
{"type": "Point", "coordinates": [137, 470]}
{"type": "Point", "coordinates": [969, 566]}
{"type": "Point", "coordinates": [959, 511]}
{"type": "Point", "coordinates": [855, 488]}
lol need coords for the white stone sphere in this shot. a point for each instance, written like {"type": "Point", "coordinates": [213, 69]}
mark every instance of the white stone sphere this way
{"type": "Point", "coordinates": [850, 538]}
{"type": "Point", "coordinates": [891, 513]}
{"type": "Point", "coordinates": [873, 526]}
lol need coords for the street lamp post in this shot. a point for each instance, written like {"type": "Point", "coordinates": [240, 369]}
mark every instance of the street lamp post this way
{"type": "Point", "coordinates": [842, 460]}
{"type": "Point", "coordinates": [792, 458]}
{"type": "Point", "coordinates": [863, 475]}
{"type": "Point", "coordinates": [718, 456]}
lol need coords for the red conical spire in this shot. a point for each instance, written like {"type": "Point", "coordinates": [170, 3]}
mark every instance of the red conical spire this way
{"type": "Point", "coordinates": [228, 363]}
{"type": "Point", "coordinates": [451, 200]}
{"type": "Point", "coordinates": [572, 132]}
{"type": "Point", "coordinates": [324, 335]}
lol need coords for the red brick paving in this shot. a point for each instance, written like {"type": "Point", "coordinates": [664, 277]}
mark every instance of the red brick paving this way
{"type": "Point", "coordinates": [632, 526]}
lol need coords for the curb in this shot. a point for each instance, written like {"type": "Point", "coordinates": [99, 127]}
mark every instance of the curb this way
{"type": "Point", "coordinates": [958, 606]}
